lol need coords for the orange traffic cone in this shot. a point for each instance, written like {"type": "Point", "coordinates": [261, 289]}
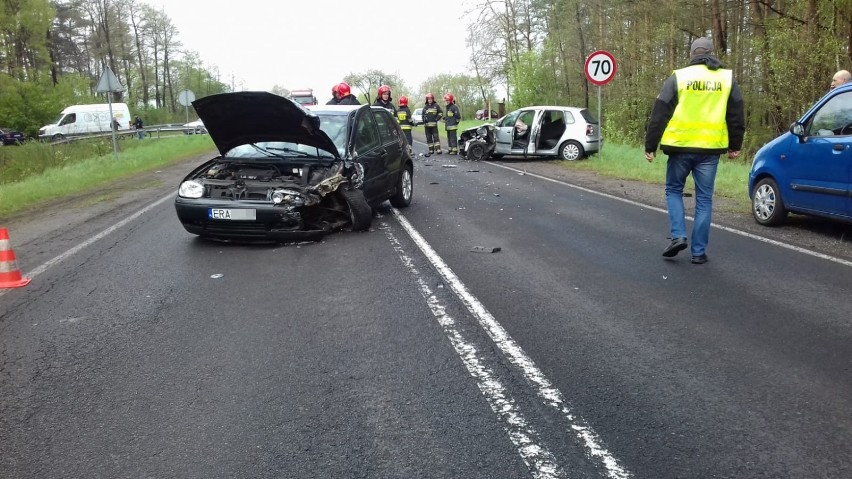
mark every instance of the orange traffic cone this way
{"type": "Point", "coordinates": [10, 275]}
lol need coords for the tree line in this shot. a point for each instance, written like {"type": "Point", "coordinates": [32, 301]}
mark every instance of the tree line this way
{"type": "Point", "coordinates": [783, 54]}
{"type": "Point", "coordinates": [52, 54]}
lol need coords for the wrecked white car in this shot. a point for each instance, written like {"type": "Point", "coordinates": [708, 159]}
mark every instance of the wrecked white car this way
{"type": "Point", "coordinates": [289, 173]}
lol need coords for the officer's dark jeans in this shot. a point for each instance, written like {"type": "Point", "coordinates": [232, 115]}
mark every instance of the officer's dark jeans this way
{"type": "Point", "coordinates": [408, 137]}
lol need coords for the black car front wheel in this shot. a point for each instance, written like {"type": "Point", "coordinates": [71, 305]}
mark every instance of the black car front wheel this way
{"type": "Point", "coordinates": [766, 203]}
{"type": "Point", "coordinates": [360, 212]}
{"type": "Point", "coordinates": [404, 189]}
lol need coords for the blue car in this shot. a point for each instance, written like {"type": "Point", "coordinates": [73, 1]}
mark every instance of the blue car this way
{"type": "Point", "coordinates": [807, 170]}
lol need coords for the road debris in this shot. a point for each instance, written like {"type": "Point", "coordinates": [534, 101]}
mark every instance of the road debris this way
{"type": "Point", "coordinates": [485, 249]}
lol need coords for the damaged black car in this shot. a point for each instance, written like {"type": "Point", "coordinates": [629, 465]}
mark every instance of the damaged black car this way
{"type": "Point", "coordinates": [288, 173]}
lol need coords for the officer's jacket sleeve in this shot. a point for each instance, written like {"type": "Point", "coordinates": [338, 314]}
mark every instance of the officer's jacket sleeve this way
{"type": "Point", "coordinates": [664, 107]}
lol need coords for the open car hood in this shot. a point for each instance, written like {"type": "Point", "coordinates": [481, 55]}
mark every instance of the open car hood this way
{"type": "Point", "coordinates": [240, 118]}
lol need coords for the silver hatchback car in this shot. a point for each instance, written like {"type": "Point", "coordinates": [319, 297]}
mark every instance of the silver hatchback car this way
{"type": "Point", "coordinates": [564, 132]}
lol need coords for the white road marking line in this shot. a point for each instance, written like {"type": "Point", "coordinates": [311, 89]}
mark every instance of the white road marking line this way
{"type": "Point", "coordinates": [62, 257]}
{"type": "Point", "coordinates": [735, 231]}
{"type": "Point", "coordinates": [541, 462]}
{"type": "Point", "coordinates": [543, 387]}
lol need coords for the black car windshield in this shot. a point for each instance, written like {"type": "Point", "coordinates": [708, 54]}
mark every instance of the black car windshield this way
{"type": "Point", "coordinates": [278, 149]}
{"type": "Point", "coordinates": [333, 124]}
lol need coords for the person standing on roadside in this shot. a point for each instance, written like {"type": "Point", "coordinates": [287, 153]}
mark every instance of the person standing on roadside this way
{"type": "Point", "coordinates": [139, 127]}
{"type": "Point", "coordinates": [384, 99]}
{"type": "Point", "coordinates": [403, 116]}
{"type": "Point", "coordinates": [432, 114]}
{"type": "Point", "coordinates": [335, 95]}
{"type": "Point", "coordinates": [698, 115]}
{"type": "Point", "coordinates": [451, 124]}
{"type": "Point", "coordinates": [346, 96]}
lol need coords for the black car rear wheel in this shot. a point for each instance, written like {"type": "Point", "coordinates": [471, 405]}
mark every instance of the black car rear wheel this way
{"type": "Point", "coordinates": [360, 213]}
{"type": "Point", "coordinates": [404, 189]}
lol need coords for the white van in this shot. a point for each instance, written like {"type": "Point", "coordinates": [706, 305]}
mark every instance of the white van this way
{"type": "Point", "coordinates": [83, 119]}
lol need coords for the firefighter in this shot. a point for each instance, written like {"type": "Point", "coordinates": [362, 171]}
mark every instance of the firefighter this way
{"type": "Point", "coordinates": [451, 123]}
{"type": "Point", "coordinates": [432, 114]}
{"type": "Point", "coordinates": [384, 99]}
{"type": "Point", "coordinates": [335, 95]}
{"type": "Point", "coordinates": [403, 115]}
{"type": "Point", "coordinates": [346, 96]}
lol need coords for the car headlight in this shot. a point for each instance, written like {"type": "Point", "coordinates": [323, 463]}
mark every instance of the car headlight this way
{"type": "Point", "coordinates": [288, 197]}
{"type": "Point", "coordinates": [191, 189]}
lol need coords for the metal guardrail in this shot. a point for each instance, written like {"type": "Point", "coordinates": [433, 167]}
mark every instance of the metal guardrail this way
{"type": "Point", "coordinates": [150, 132]}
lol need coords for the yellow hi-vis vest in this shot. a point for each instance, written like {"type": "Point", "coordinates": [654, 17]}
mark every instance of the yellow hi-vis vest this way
{"type": "Point", "coordinates": [698, 120]}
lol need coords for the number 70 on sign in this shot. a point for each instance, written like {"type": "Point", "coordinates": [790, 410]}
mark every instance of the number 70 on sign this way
{"type": "Point", "coordinates": [600, 67]}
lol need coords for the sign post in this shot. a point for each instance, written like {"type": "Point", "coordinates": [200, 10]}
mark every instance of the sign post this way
{"type": "Point", "coordinates": [600, 68]}
{"type": "Point", "coordinates": [109, 84]}
{"type": "Point", "coordinates": [186, 98]}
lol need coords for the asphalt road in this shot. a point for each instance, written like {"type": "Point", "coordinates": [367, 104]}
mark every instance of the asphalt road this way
{"type": "Point", "coordinates": [412, 350]}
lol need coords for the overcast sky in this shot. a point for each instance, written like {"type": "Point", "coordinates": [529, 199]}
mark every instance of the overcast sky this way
{"type": "Point", "coordinates": [315, 43]}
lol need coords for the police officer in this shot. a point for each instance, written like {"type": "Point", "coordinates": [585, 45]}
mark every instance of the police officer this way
{"type": "Point", "coordinates": [451, 123]}
{"type": "Point", "coordinates": [384, 99]}
{"type": "Point", "coordinates": [432, 114]}
{"type": "Point", "coordinates": [346, 96]}
{"type": "Point", "coordinates": [403, 115]}
{"type": "Point", "coordinates": [335, 95]}
{"type": "Point", "coordinates": [698, 115]}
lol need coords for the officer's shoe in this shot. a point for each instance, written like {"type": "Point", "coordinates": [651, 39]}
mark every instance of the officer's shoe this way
{"type": "Point", "coordinates": [676, 246]}
{"type": "Point", "coordinates": [700, 259]}
{"type": "Point", "coordinates": [439, 152]}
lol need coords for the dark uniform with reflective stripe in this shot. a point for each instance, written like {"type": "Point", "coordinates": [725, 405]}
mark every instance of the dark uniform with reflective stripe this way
{"type": "Point", "coordinates": [388, 105]}
{"type": "Point", "coordinates": [432, 113]}
{"type": "Point", "coordinates": [451, 122]}
{"type": "Point", "coordinates": [403, 115]}
{"type": "Point", "coordinates": [349, 100]}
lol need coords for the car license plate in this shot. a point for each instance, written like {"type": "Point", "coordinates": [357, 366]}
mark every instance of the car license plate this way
{"type": "Point", "coordinates": [231, 214]}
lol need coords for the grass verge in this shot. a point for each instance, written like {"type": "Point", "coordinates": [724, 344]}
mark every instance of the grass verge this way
{"type": "Point", "coordinates": [628, 163]}
{"type": "Point", "coordinates": [84, 174]}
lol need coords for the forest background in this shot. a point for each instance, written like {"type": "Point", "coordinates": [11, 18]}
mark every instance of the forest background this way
{"type": "Point", "coordinates": [522, 52]}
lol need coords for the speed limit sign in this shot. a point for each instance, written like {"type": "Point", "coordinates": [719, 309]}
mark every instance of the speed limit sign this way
{"type": "Point", "coordinates": [600, 67]}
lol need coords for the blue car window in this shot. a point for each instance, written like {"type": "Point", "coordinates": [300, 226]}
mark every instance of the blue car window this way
{"type": "Point", "coordinates": [833, 118]}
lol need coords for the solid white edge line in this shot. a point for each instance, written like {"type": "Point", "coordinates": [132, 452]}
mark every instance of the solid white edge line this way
{"type": "Point", "coordinates": [67, 254]}
{"type": "Point", "coordinates": [735, 231]}
{"type": "Point", "coordinates": [544, 389]}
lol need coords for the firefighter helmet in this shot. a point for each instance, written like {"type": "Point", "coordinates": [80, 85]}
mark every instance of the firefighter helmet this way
{"type": "Point", "coordinates": [335, 90]}
{"type": "Point", "coordinates": [430, 96]}
{"type": "Point", "coordinates": [343, 89]}
{"type": "Point", "coordinates": [449, 98]}
{"type": "Point", "coordinates": [384, 89]}
{"type": "Point", "coordinates": [403, 101]}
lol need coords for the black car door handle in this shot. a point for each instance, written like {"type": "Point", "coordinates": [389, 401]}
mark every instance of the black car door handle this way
{"type": "Point", "coordinates": [839, 147]}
